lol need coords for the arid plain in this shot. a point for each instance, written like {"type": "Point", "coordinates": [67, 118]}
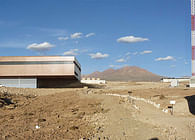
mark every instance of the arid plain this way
{"type": "Point", "coordinates": [114, 111]}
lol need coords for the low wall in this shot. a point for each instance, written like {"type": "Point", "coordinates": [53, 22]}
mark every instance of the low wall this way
{"type": "Point", "coordinates": [93, 81]}
{"type": "Point", "coordinates": [179, 80]}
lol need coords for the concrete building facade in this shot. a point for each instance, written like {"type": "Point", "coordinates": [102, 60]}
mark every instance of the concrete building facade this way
{"type": "Point", "coordinates": [169, 80]}
{"type": "Point", "coordinates": [92, 81]}
{"type": "Point", "coordinates": [38, 71]}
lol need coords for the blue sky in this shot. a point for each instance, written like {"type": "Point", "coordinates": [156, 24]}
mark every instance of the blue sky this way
{"type": "Point", "coordinates": [102, 34]}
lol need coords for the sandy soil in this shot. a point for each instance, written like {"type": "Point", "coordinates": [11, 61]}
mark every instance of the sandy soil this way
{"type": "Point", "coordinates": [63, 115]}
{"type": "Point", "coordinates": [99, 113]}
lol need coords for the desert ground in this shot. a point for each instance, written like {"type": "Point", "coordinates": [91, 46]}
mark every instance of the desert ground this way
{"type": "Point", "coordinates": [114, 111]}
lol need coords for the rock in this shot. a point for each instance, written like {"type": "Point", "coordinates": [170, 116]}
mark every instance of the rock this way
{"type": "Point", "coordinates": [74, 127]}
{"type": "Point", "coordinates": [81, 115]}
{"type": "Point", "coordinates": [85, 87]}
{"type": "Point", "coordinates": [11, 117]}
{"type": "Point", "coordinates": [37, 127]}
{"type": "Point", "coordinates": [89, 92]}
{"type": "Point", "coordinates": [41, 120]}
{"type": "Point", "coordinates": [30, 113]}
{"type": "Point", "coordinates": [1, 104]}
{"type": "Point", "coordinates": [10, 106]}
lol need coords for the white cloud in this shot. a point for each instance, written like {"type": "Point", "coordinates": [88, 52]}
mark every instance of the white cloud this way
{"type": "Point", "coordinates": [98, 55]}
{"type": "Point", "coordinates": [145, 52]}
{"type": "Point", "coordinates": [124, 59]}
{"type": "Point", "coordinates": [114, 66]}
{"type": "Point", "coordinates": [131, 53]}
{"type": "Point", "coordinates": [71, 52]}
{"type": "Point", "coordinates": [63, 38]}
{"type": "Point", "coordinates": [90, 34]}
{"type": "Point", "coordinates": [165, 58]}
{"type": "Point", "coordinates": [76, 35]}
{"type": "Point", "coordinates": [131, 39]}
{"type": "Point", "coordinates": [121, 60]}
{"type": "Point", "coordinates": [135, 53]}
{"type": "Point", "coordinates": [40, 47]}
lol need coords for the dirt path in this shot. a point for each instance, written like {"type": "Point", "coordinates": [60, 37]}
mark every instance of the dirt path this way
{"type": "Point", "coordinates": [124, 121]}
{"type": "Point", "coordinates": [174, 126]}
{"type": "Point", "coordinates": [121, 123]}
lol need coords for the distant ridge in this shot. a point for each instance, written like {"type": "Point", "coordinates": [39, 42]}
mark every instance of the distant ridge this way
{"type": "Point", "coordinates": [127, 73]}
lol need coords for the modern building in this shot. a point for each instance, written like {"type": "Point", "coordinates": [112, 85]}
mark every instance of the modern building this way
{"type": "Point", "coordinates": [169, 80]}
{"type": "Point", "coordinates": [38, 71]}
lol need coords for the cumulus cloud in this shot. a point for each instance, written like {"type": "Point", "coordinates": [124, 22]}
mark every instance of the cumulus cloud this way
{"type": "Point", "coordinates": [63, 38]}
{"type": "Point", "coordinates": [71, 52]}
{"type": "Point", "coordinates": [98, 55]}
{"type": "Point", "coordinates": [90, 34]}
{"type": "Point", "coordinates": [145, 52]}
{"type": "Point", "coordinates": [121, 60]}
{"type": "Point", "coordinates": [131, 39]}
{"type": "Point", "coordinates": [165, 58]}
{"type": "Point", "coordinates": [45, 46]}
{"type": "Point", "coordinates": [76, 35]}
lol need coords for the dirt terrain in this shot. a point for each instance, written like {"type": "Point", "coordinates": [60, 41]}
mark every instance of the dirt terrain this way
{"type": "Point", "coordinates": [117, 111]}
{"type": "Point", "coordinates": [63, 115]}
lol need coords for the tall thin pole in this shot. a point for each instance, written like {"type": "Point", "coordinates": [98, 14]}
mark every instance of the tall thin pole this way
{"type": "Point", "coordinates": [193, 35]}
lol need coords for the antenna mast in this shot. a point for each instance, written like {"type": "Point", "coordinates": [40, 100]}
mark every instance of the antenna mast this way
{"type": "Point", "coordinates": [192, 79]}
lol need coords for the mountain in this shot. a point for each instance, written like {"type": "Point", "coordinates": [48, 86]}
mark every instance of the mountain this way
{"type": "Point", "coordinates": [127, 73]}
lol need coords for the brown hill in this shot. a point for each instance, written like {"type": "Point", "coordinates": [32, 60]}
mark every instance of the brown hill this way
{"type": "Point", "coordinates": [127, 73]}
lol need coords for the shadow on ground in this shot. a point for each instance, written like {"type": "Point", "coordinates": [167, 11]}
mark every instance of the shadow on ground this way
{"type": "Point", "coordinates": [69, 84]}
{"type": "Point", "coordinates": [154, 139]}
{"type": "Point", "coordinates": [82, 85]}
{"type": "Point", "coordinates": [191, 103]}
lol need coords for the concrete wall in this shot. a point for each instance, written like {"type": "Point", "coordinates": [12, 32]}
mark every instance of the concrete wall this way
{"type": "Point", "coordinates": [167, 80]}
{"type": "Point", "coordinates": [93, 81]}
